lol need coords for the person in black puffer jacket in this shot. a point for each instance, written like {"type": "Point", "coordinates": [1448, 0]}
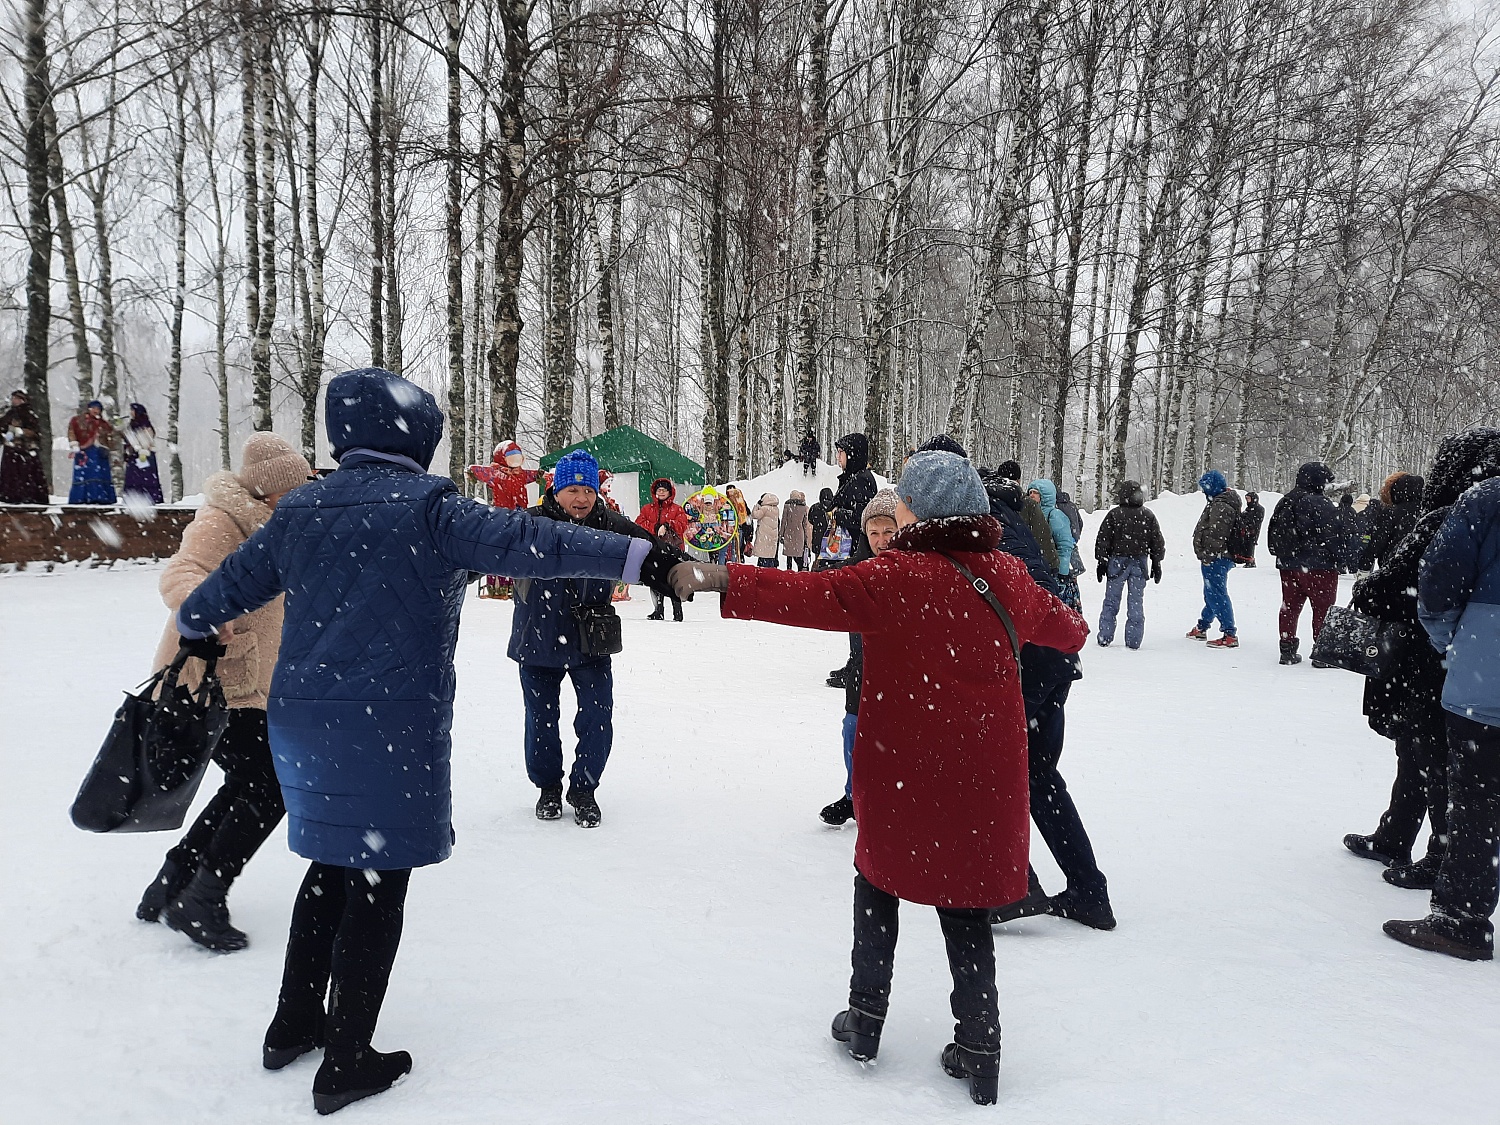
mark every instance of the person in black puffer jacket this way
{"type": "Point", "coordinates": [1306, 536]}
{"type": "Point", "coordinates": [856, 482]}
{"type": "Point", "coordinates": [1047, 678]}
{"type": "Point", "coordinates": [1399, 509]}
{"type": "Point", "coordinates": [1128, 547]}
{"type": "Point", "coordinates": [1246, 533]}
{"type": "Point", "coordinates": [1406, 707]}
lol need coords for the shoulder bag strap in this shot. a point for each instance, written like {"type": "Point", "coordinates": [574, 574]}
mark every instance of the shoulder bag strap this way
{"type": "Point", "coordinates": [982, 588]}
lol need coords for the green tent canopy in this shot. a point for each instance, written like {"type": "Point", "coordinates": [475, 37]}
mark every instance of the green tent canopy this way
{"type": "Point", "coordinates": [625, 449]}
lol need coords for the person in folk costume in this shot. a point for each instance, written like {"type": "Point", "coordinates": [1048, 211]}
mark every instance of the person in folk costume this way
{"type": "Point", "coordinates": [22, 480]}
{"type": "Point", "coordinates": [666, 519]}
{"type": "Point", "coordinates": [141, 475]}
{"type": "Point", "coordinates": [940, 786]}
{"type": "Point", "coordinates": [744, 526]}
{"type": "Point", "coordinates": [89, 437]}
{"type": "Point", "coordinates": [713, 525]}
{"type": "Point", "coordinates": [507, 477]}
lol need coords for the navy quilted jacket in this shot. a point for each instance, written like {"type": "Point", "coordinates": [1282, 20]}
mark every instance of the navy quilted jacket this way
{"type": "Point", "coordinates": [374, 561]}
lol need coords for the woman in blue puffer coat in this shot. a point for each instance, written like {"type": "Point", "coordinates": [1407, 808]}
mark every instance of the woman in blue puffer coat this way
{"type": "Point", "coordinates": [374, 560]}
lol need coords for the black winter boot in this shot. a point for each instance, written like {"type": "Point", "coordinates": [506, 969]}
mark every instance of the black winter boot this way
{"type": "Point", "coordinates": [860, 1031]}
{"type": "Point", "coordinates": [290, 1036]}
{"type": "Point", "coordinates": [839, 813]}
{"type": "Point", "coordinates": [351, 1073]}
{"type": "Point", "coordinates": [1035, 902]}
{"type": "Point", "coordinates": [837, 678]}
{"type": "Point", "coordinates": [981, 1068]}
{"type": "Point", "coordinates": [586, 812]}
{"type": "Point", "coordinates": [1095, 915]}
{"type": "Point", "coordinates": [1419, 876]}
{"type": "Point", "coordinates": [549, 804]}
{"type": "Point", "coordinates": [677, 613]}
{"type": "Point", "coordinates": [1289, 653]}
{"type": "Point", "coordinates": [201, 912]}
{"type": "Point", "coordinates": [167, 885]}
{"type": "Point", "coordinates": [655, 615]}
{"type": "Point", "coordinates": [1367, 847]}
{"type": "Point", "coordinates": [1430, 934]}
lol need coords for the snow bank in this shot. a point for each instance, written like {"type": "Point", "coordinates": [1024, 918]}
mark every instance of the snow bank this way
{"type": "Point", "coordinates": [781, 482]}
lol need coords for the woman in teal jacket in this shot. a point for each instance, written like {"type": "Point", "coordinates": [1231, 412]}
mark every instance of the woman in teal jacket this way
{"type": "Point", "coordinates": [1045, 493]}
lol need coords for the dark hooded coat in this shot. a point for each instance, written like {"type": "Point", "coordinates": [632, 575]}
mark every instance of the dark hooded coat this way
{"type": "Point", "coordinates": [374, 559]}
{"type": "Point", "coordinates": [856, 486]}
{"type": "Point", "coordinates": [1307, 531]}
{"type": "Point", "coordinates": [1130, 529]}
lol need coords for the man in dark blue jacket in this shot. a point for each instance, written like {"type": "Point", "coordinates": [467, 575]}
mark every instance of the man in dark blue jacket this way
{"type": "Point", "coordinates": [1458, 597]}
{"type": "Point", "coordinates": [547, 641]}
{"type": "Point", "coordinates": [1046, 679]}
{"type": "Point", "coordinates": [373, 560]}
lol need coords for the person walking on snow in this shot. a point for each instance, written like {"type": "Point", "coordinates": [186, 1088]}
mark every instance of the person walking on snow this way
{"type": "Point", "coordinates": [546, 640]}
{"type": "Point", "coordinates": [767, 536]}
{"type": "Point", "coordinates": [1047, 678]}
{"type": "Point", "coordinates": [808, 453]}
{"type": "Point", "coordinates": [191, 888]}
{"type": "Point", "coordinates": [665, 519]}
{"type": "Point", "coordinates": [374, 560]}
{"type": "Point", "coordinates": [796, 531]}
{"type": "Point", "coordinates": [879, 532]}
{"type": "Point", "coordinates": [1211, 546]}
{"type": "Point", "coordinates": [1044, 492]}
{"type": "Point", "coordinates": [1246, 535]}
{"type": "Point", "coordinates": [1129, 546]}
{"type": "Point", "coordinates": [1458, 598]}
{"type": "Point", "coordinates": [940, 792]}
{"type": "Point", "coordinates": [1306, 536]}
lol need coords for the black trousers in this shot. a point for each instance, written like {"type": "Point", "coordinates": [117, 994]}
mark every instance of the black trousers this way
{"type": "Point", "coordinates": [657, 604]}
{"type": "Point", "coordinates": [971, 960]}
{"type": "Point", "coordinates": [1420, 790]}
{"type": "Point", "coordinates": [346, 928]}
{"type": "Point", "coordinates": [1468, 886]}
{"type": "Point", "coordinates": [1052, 808]}
{"type": "Point", "coordinates": [247, 807]}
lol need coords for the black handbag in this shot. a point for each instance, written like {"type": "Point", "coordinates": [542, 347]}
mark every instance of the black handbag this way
{"type": "Point", "coordinates": [599, 632]}
{"type": "Point", "coordinates": [147, 773]}
{"type": "Point", "coordinates": [1364, 645]}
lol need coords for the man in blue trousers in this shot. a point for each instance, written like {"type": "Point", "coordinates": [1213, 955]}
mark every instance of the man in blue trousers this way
{"type": "Point", "coordinates": [549, 639]}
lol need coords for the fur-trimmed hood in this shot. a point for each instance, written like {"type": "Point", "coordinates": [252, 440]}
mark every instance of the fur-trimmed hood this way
{"type": "Point", "coordinates": [952, 533]}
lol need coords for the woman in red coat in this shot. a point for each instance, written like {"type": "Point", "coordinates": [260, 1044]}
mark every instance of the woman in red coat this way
{"type": "Point", "coordinates": [939, 786]}
{"type": "Point", "coordinates": [665, 519]}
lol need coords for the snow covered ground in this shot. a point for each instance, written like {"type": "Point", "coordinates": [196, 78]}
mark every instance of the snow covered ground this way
{"type": "Point", "coordinates": [681, 963]}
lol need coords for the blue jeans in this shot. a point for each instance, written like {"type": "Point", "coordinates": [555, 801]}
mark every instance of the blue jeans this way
{"type": "Point", "coordinates": [541, 689]}
{"type": "Point", "coordinates": [1216, 601]}
{"type": "Point", "coordinates": [849, 725]}
{"type": "Point", "coordinates": [1125, 571]}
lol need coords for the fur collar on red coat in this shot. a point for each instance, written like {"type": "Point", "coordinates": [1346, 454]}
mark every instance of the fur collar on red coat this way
{"type": "Point", "coordinates": [952, 533]}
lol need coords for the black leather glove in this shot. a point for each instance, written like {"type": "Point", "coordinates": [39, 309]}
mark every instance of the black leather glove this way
{"type": "Point", "coordinates": [208, 648]}
{"type": "Point", "coordinates": [1103, 571]}
{"type": "Point", "coordinates": [657, 565]}
{"type": "Point", "coordinates": [1156, 572]}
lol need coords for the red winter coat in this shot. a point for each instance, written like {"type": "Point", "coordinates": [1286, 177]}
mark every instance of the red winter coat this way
{"type": "Point", "coordinates": [671, 514]}
{"type": "Point", "coordinates": [940, 789]}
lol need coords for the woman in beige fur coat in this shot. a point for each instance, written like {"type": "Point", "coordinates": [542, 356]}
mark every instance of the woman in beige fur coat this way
{"type": "Point", "coordinates": [190, 890]}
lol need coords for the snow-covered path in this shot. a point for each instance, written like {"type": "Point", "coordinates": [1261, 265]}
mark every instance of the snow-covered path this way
{"type": "Point", "coordinates": [681, 964]}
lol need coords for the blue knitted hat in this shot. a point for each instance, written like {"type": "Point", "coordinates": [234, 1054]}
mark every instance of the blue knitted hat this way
{"type": "Point", "coordinates": [1213, 483]}
{"type": "Point", "coordinates": [578, 467]}
{"type": "Point", "coordinates": [935, 485]}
